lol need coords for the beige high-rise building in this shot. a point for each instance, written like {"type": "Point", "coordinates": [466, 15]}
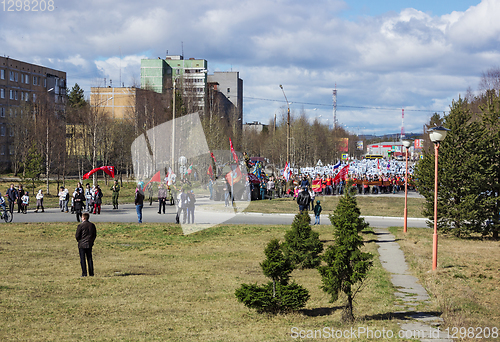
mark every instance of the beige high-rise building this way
{"type": "Point", "coordinates": [117, 103]}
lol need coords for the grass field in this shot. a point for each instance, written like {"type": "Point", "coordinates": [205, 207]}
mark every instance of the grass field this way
{"type": "Point", "coordinates": [465, 284]}
{"type": "Point", "coordinates": [369, 205]}
{"type": "Point", "coordinates": [154, 284]}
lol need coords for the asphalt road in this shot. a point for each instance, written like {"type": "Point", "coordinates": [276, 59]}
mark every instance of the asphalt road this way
{"type": "Point", "coordinates": [127, 213]}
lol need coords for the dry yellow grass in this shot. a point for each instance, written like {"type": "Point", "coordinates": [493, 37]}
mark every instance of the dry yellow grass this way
{"type": "Point", "coordinates": [466, 282]}
{"type": "Point", "coordinates": [154, 284]}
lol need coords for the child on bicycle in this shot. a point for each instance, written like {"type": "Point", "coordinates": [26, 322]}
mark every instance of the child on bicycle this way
{"type": "Point", "coordinates": [25, 199]}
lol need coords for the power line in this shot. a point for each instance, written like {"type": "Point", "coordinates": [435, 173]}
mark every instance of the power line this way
{"type": "Point", "coordinates": [345, 106]}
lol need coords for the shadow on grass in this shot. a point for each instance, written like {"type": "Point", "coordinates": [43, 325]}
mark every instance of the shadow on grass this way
{"type": "Point", "coordinates": [316, 312]}
{"type": "Point", "coordinates": [405, 316]}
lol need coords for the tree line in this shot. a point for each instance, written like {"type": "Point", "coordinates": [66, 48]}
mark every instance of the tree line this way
{"type": "Point", "coordinates": [468, 165]}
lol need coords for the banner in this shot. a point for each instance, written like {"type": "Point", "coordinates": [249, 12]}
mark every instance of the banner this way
{"type": "Point", "coordinates": [359, 145]}
{"type": "Point", "coordinates": [316, 186]}
{"type": "Point", "coordinates": [110, 171]}
{"type": "Point", "coordinates": [344, 145]}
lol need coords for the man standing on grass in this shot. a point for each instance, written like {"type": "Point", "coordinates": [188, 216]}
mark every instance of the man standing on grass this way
{"type": "Point", "coordinates": [85, 235]}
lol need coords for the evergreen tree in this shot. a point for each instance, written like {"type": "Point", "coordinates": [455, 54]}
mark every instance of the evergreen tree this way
{"type": "Point", "coordinates": [278, 295]}
{"type": "Point", "coordinates": [76, 97]}
{"type": "Point", "coordinates": [33, 166]}
{"type": "Point", "coordinates": [463, 180]}
{"type": "Point", "coordinates": [302, 245]}
{"type": "Point", "coordinates": [490, 126]}
{"type": "Point", "coordinates": [346, 265]}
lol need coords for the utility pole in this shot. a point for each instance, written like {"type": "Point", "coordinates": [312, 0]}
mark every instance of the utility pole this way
{"type": "Point", "coordinates": [287, 128]}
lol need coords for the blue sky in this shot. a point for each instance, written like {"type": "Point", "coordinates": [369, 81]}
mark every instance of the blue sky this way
{"type": "Point", "coordinates": [381, 55]}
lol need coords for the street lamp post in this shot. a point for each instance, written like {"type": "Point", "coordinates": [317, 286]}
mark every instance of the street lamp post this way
{"type": "Point", "coordinates": [406, 144]}
{"type": "Point", "coordinates": [287, 128]}
{"type": "Point", "coordinates": [437, 135]}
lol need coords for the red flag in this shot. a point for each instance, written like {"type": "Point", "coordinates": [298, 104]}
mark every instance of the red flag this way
{"type": "Point", "coordinates": [110, 170]}
{"type": "Point", "coordinates": [213, 157]}
{"type": "Point", "coordinates": [155, 178]}
{"type": "Point", "coordinates": [210, 171]}
{"type": "Point", "coordinates": [235, 157]}
{"type": "Point", "coordinates": [234, 176]}
{"type": "Point", "coordinates": [342, 175]}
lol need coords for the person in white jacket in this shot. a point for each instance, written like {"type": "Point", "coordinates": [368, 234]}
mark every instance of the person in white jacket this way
{"type": "Point", "coordinates": [39, 201]}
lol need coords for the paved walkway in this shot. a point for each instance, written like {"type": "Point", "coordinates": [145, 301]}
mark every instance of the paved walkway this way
{"type": "Point", "coordinates": [419, 324]}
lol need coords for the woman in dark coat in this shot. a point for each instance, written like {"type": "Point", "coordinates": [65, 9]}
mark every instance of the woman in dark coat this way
{"type": "Point", "coordinates": [78, 203]}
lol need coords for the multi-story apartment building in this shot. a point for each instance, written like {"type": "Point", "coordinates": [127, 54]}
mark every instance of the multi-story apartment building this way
{"type": "Point", "coordinates": [117, 103]}
{"type": "Point", "coordinates": [25, 82]}
{"type": "Point", "coordinates": [190, 77]}
{"type": "Point", "coordinates": [229, 84]}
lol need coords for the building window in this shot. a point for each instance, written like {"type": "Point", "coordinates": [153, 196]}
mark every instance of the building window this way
{"type": "Point", "coordinates": [11, 94]}
{"type": "Point", "coordinates": [2, 93]}
{"type": "Point", "coordinates": [34, 80]}
{"type": "Point", "coordinates": [34, 97]}
{"type": "Point", "coordinates": [2, 152]}
{"type": "Point", "coordinates": [11, 77]}
{"type": "Point", "coordinates": [26, 98]}
{"type": "Point", "coordinates": [2, 131]}
{"type": "Point", "coordinates": [15, 94]}
{"type": "Point", "coordinates": [45, 83]}
{"type": "Point", "coordinates": [22, 96]}
{"type": "Point", "coordinates": [11, 149]}
{"type": "Point", "coordinates": [2, 112]}
{"type": "Point", "coordinates": [27, 79]}
{"type": "Point", "coordinates": [2, 74]}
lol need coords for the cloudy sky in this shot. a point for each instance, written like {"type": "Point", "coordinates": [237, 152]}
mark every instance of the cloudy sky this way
{"type": "Point", "coordinates": [381, 55]}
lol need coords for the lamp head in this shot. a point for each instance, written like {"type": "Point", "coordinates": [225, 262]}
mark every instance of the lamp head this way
{"type": "Point", "coordinates": [437, 134]}
{"type": "Point", "coordinates": [406, 143]}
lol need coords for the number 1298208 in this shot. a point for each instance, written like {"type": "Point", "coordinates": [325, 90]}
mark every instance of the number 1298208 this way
{"type": "Point", "coordinates": [27, 5]}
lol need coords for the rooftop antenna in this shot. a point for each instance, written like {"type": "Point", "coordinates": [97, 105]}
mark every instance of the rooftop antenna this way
{"type": "Point", "coordinates": [403, 124]}
{"type": "Point", "coordinates": [335, 107]}
{"type": "Point", "coordinates": [120, 67]}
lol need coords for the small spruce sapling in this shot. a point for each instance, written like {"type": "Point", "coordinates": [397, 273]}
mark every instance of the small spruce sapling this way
{"type": "Point", "coordinates": [346, 265]}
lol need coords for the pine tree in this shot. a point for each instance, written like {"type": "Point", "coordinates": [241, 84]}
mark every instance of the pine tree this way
{"type": "Point", "coordinates": [463, 180]}
{"type": "Point", "coordinates": [277, 295]}
{"type": "Point", "coordinates": [302, 245]}
{"type": "Point", "coordinates": [346, 265]}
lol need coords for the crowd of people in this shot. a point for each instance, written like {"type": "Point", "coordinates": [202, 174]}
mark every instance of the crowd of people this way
{"type": "Point", "coordinates": [88, 199]}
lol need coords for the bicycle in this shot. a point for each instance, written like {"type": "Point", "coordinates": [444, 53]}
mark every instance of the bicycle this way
{"type": "Point", "coordinates": [6, 215]}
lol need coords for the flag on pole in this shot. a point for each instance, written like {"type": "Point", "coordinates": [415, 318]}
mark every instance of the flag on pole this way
{"type": "Point", "coordinates": [213, 157]}
{"type": "Point", "coordinates": [155, 178]}
{"type": "Point", "coordinates": [190, 169]}
{"type": "Point", "coordinates": [235, 157]}
{"type": "Point", "coordinates": [210, 171]}
{"type": "Point", "coordinates": [110, 171]}
{"type": "Point", "coordinates": [234, 176]}
{"type": "Point", "coordinates": [342, 175]}
{"type": "Point", "coordinates": [336, 166]}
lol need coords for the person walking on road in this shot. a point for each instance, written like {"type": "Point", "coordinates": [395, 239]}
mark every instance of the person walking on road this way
{"type": "Point", "coordinates": [116, 192]}
{"type": "Point", "coordinates": [86, 234]}
{"type": "Point", "coordinates": [139, 200]}
{"type": "Point", "coordinates": [39, 201]}
{"type": "Point", "coordinates": [12, 197]}
{"type": "Point", "coordinates": [317, 212]}
{"type": "Point", "coordinates": [78, 203]}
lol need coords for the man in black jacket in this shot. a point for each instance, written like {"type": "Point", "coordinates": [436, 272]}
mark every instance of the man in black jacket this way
{"type": "Point", "coordinates": [85, 235]}
{"type": "Point", "coordinates": [303, 199]}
